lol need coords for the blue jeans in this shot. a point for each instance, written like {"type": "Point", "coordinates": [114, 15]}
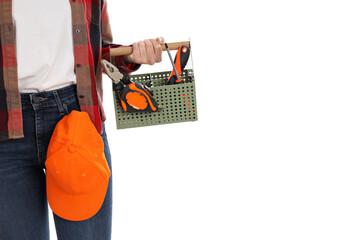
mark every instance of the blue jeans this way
{"type": "Point", "coordinates": [23, 201]}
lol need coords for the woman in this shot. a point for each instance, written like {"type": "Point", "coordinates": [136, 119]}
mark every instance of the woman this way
{"type": "Point", "coordinates": [51, 52]}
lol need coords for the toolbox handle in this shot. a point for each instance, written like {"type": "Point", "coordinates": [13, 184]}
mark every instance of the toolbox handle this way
{"type": "Point", "coordinates": [128, 50]}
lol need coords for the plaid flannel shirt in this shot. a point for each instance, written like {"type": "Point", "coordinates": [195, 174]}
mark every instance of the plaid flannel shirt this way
{"type": "Point", "coordinates": [92, 38]}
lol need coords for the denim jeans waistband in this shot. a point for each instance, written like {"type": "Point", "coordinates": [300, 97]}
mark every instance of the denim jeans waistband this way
{"type": "Point", "coordinates": [50, 98]}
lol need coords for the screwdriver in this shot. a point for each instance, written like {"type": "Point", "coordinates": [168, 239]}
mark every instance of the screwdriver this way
{"type": "Point", "coordinates": [172, 61]}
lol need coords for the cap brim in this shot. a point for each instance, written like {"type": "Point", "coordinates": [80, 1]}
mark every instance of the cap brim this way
{"type": "Point", "coordinates": [74, 207]}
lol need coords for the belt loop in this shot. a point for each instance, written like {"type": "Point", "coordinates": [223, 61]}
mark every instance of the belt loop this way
{"type": "Point", "coordinates": [31, 100]}
{"type": "Point", "coordinates": [58, 102]}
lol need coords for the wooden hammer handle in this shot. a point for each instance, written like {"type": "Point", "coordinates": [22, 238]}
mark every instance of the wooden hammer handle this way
{"type": "Point", "coordinates": [128, 50]}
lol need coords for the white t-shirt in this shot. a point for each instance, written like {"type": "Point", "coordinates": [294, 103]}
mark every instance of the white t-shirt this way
{"type": "Point", "coordinates": [44, 44]}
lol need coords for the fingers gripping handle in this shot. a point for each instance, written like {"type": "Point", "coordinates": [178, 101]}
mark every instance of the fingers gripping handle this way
{"type": "Point", "coordinates": [128, 50]}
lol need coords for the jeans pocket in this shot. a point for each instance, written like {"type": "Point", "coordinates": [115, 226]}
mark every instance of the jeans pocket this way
{"type": "Point", "coordinates": [71, 105]}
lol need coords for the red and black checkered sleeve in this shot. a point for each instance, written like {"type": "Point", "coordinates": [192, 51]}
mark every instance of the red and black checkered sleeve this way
{"type": "Point", "coordinates": [107, 43]}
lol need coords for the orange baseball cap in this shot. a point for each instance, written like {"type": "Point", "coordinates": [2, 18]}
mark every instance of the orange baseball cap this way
{"type": "Point", "coordinates": [77, 173]}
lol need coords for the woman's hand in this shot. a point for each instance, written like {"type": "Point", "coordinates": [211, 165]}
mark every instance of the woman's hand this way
{"type": "Point", "coordinates": [146, 52]}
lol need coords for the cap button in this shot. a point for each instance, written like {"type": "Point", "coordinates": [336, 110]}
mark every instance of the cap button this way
{"type": "Point", "coordinates": [71, 149]}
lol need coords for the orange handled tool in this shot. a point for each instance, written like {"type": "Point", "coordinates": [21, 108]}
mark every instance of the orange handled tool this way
{"type": "Point", "coordinates": [181, 58]}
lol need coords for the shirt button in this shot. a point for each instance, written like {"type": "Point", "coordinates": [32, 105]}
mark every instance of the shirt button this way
{"type": "Point", "coordinates": [77, 30]}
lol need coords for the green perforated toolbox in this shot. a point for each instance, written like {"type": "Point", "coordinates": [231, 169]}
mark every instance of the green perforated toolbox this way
{"type": "Point", "coordinates": [179, 101]}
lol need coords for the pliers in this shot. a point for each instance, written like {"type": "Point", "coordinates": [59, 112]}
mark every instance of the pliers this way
{"type": "Point", "coordinates": [112, 71]}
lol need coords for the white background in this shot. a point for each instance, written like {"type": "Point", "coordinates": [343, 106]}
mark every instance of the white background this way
{"type": "Point", "coordinates": [275, 152]}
